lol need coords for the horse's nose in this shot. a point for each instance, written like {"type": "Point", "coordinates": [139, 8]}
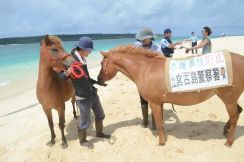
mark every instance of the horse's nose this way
{"type": "Point", "coordinates": [68, 61]}
{"type": "Point", "coordinates": [98, 78]}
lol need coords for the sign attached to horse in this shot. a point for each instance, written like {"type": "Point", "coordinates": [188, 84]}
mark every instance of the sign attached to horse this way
{"type": "Point", "coordinates": [199, 72]}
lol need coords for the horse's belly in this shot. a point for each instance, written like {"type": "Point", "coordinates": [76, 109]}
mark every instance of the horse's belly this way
{"type": "Point", "coordinates": [55, 95]}
{"type": "Point", "coordinates": [189, 98]}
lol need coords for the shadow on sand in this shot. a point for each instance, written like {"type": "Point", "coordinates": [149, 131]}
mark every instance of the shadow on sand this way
{"type": "Point", "coordinates": [203, 130]}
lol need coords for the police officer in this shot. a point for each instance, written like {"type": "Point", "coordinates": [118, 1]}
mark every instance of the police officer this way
{"type": "Point", "coordinates": [167, 46]}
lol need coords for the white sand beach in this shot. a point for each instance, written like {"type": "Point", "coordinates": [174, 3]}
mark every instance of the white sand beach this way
{"type": "Point", "coordinates": [194, 133]}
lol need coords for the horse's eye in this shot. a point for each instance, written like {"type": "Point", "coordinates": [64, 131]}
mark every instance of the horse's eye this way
{"type": "Point", "coordinates": [54, 50]}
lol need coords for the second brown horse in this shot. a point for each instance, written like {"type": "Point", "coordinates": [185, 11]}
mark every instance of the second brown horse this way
{"type": "Point", "coordinates": [146, 69]}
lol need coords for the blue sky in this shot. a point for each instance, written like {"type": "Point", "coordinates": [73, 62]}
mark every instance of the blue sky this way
{"type": "Point", "coordinates": [39, 17]}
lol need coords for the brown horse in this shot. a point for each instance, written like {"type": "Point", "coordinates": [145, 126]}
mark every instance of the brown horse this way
{"type": "Point", "coordinates": [148, 75]}
{"type": "Point", "coordinates": [51, 91]}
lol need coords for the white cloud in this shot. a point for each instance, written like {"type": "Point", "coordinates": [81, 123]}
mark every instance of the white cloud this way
{"type": "Point", "coordinates": [36, 17]}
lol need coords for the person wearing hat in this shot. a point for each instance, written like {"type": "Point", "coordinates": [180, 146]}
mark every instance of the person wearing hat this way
{"type": "Point", "coordinates": [86, 94]}
{"type": "Point", "coordinates": [167, 46]}
{"type": "Point", "coordinates": [145, 39]}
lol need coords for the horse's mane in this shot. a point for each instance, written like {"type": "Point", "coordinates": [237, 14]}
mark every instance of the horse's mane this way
{"type": "Point", "coordinates": [133, 50]}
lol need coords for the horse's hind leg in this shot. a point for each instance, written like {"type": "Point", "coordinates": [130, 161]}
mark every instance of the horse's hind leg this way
{"type": "Point", "coordinates": [73, 104]}
{"type": "Point", "coordinates": [227, 125]}
{"type": "Point", "coordinates": [230, 96]}
{"type": "Point", "coordinates": [234, 116]}
{"type": "Point", "coordinates": [48, 113]}
{"type": "Point", "coordinates": [61, 114]}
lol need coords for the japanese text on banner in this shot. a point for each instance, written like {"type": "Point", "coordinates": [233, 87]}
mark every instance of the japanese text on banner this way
{"type": "Point", "coordinates": [196, 73]}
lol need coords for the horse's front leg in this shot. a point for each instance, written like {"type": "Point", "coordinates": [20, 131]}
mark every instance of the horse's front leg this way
{"type": "Point", "coordinates": [157, 113]}
{"type": "Point", "coordinates": [61, 114]}
{"type": "Point", "coordinates": [48, 113]}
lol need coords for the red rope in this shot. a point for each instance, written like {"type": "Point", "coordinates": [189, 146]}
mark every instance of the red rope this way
{"type": "Point", "coordinates": [76, 71]}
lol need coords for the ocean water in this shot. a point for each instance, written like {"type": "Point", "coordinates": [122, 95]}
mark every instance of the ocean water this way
{"type": "Point", "coordinates": [19, 62]}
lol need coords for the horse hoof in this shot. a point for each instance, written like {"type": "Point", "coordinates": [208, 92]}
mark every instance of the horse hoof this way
{"type": "Point", "coordinates": [161, 144]}
{"type": "Point", "coordinates": [76, 117]}
{"type": "Point", "coordinates": [64, 145]}
{"type": "Point", "coordinates": [51, 143]}
{"type": "Point", "coordinates": [227, 144]}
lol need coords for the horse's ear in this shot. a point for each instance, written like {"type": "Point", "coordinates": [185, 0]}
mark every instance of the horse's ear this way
{"type": "Point", "coordinates": [104, 54]}
{"type": "Point", "coordinates": [47, 40]}
{"type": "Point", "coordinates": [41, 42]}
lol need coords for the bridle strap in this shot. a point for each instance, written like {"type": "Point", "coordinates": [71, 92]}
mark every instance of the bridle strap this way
{"type": "Point", "coordinates": [45, 51]}
{"type": "Point", "coordinates": [76, 70]}
{"type": "Point", "coordinates": [77, 66]}
{"type": "Point", "coordinates": [107, 66]}
{"type": "Point", "coordinates": [63, 57]}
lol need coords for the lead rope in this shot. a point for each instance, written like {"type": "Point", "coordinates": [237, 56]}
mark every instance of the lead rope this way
{"type": "Point", "coordinates": [76, 71]}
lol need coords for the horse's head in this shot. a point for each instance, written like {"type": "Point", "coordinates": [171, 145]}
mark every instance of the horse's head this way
{"type": "Point", "coordinates": [108, 70]}
{"type": "Point", "coordinates": [53, 53]}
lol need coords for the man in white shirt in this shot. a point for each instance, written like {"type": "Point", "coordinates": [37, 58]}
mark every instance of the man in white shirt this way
{"type": "Point", "coordinates": [193, 40]}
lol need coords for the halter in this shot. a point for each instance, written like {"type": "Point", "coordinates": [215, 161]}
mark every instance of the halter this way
{"type": "Point", "coordinates": [105, 70]}
{"type": "Point", "coordinates": [59, 59]}
{"type": "Point", "coordinates": [75, 69]}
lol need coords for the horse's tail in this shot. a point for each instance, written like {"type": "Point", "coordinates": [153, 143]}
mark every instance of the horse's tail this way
{"type": "Point", "coordinates": [173, 108]}
{"type": "Point", "coordinates": [73, 104]}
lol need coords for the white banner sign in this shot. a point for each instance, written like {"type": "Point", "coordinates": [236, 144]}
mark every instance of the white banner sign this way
{"type": "Point", "coordinates": [201, 72]}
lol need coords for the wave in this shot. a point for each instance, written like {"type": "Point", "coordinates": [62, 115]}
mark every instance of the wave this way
{"type": "Point", "coordinates": [4, 83]}
{"type": "Point", "coordinates": [12, 44]}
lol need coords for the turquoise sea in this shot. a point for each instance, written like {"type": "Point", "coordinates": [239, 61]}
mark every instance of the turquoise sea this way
{"type": "Point", "coordinates": [19, 62]}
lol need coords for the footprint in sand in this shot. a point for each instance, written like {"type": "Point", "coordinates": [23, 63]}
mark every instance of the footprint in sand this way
{"type": "Point", "coordinates": [199, 132]}
{"type": "Point", "coordinates": [2, 151]}
{"type": "Point", "coordinates": [180, 151]}
{"type": "Point", "coordinates": [215, 125]}
{"type": "Point", "coordinates": [212, 116]}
